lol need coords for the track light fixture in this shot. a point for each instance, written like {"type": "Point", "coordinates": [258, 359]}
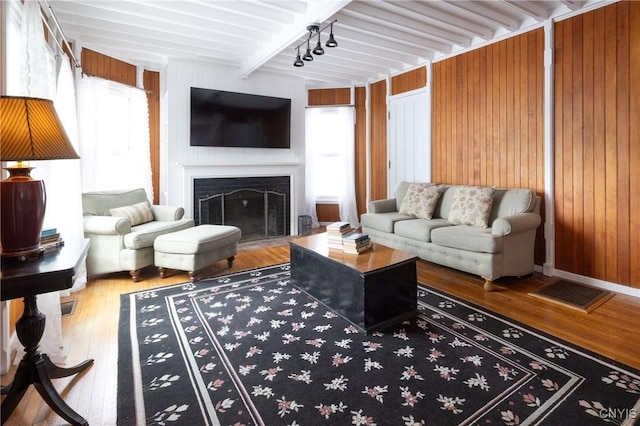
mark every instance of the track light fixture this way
{"type": "Point", "coordinates": [298, 62]}
{"type": "Point", "coordinates": [332, 41]}
{"type": "Point", "coordinates": [318, 50]}
{"type": "Point", "coordinates": [308, 56]}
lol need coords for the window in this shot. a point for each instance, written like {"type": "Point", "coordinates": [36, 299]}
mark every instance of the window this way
{"type": "Point", "coordinates": [330, 161]}
{"type": "Point", "coordinates": [330, 134]}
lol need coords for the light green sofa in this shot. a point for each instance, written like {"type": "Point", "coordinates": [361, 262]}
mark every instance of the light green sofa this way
{"type": "Point", "coordinates": [116, 245]}
{"type": "Point", "coordinates": [504, 248]}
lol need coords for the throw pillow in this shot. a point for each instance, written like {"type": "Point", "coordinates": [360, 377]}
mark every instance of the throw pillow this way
{"type": "Point", "coordinates": [420, 200]}
{"type": "Point", "coordinates": [136, 214]}
{"type": "Point", "coordinates": [471, 205]}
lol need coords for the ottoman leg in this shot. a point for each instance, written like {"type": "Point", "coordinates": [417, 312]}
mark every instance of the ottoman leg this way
{"type": "Point", "coordinates": [193, 276]}
{"type": "Point", "coordinates": [163, 272]}
{"type": "Point", "coordinates": [230, 261]}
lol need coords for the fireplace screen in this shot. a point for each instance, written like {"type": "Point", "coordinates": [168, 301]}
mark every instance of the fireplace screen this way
{"type": "Point", "coordinates": [258, 214]}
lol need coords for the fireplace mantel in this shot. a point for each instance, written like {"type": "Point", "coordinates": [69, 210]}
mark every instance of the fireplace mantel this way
{"type": "Point", "coordinates": [294, 170]}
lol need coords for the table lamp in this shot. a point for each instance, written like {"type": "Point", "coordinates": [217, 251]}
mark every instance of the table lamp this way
{"type": "Point", "coordinates": [29, 130]}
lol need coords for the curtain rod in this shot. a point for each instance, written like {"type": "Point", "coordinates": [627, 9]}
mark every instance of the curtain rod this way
{"type": "Point", "coordinates": [55, 20]}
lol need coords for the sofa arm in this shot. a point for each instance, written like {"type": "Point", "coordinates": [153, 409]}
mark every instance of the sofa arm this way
{"type": "Point", "coordinates": [167, 213]}
{"type": "Point", "coordinates": [515, 224]}
{"type": "Point", "coordinates": [106, 225]}
{"type": "Point", "coordinates": [383, 206]}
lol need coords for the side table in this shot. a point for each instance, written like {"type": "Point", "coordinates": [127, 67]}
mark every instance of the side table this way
{"type": "Point", "coordinates": [51, 272]}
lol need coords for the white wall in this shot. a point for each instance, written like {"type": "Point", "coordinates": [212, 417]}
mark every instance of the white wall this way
{"type": "Point", "coordinates": [182, 163]}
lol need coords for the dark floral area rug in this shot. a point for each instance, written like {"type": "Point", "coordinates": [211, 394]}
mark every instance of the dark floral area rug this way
{"type": "Point", "coordinates": [252, 349]}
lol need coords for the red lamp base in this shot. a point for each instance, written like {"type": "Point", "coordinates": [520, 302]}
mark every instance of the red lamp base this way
{"type": "Point", "coordinates": [23, 203]}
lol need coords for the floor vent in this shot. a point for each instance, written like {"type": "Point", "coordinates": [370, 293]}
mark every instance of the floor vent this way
{"type": "Point", "coordinates": [67, 308]}
{"type": "Point", "coordinates": [573, 295]}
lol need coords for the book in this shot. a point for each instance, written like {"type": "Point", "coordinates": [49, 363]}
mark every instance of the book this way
{"type": "Point", "coordinates": [339, 229]}
{"type": "Point", "coordinates": [48, 231]}
{"type": "Point", "coordinates": [355, 238]}
{"type": "Point", "coordinates": [358, 250]}
{"type": "Point", "coordinates": [337, 226]}
{"type": "Point", "coordinates": [50, 238]}
{"type": "Point", "coordinates": [51, 246]}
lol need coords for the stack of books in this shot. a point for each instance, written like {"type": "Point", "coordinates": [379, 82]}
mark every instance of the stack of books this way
{"type": "Point", "coordinates": [335, 232]}
{"type": "Point", "coordinates": [356, 243]}
{"type": "Point", "coordinates": [50, 239]}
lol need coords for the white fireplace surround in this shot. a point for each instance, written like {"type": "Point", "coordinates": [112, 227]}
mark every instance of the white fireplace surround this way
{"type": "Point", "coordinates": [295, 171]}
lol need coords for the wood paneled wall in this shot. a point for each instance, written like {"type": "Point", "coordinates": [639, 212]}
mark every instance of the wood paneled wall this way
{"type": "Point", "coordinates": [99, 65]}
{"type": "Point", "coordinates": [151, 81]}
{"type": "Point", "coordinates": [488, 122]}
{"type": "Point", "coordinates": [597, 144]}
{"type": "Point", "coordinates": [408, 81]}
{"type": "Point", "coordinates": [378, 137]}
{"type": "Point", "coordinates": [361, 149]}
{"type": "Point", "coordinates": [340, 96]}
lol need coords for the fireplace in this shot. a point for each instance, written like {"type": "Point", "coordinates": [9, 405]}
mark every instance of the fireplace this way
{"type": "Point", "coordinates": [259, 206]}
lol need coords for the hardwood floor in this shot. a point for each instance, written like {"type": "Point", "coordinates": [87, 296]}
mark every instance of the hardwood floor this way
{"type": "Point", "coordinates": [92, 330]}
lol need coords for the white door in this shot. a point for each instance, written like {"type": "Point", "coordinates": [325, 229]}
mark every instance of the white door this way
{"type": "Point", "coordinates": [409, 141]}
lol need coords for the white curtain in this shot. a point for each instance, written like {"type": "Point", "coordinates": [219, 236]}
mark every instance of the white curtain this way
{"type": "Point", "coordinates": [311, 153]}
{"type": "Point", "coordinates": [113, 127]}
{"type": "Point", "coordinates": [330, 155]}
{"type": "Point", "coordinates": [38, 71]}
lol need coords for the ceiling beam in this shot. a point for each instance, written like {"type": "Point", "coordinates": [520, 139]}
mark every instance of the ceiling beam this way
{"type": "Point", "coordinates": [319, 11]}
{"type": "Point", "coordinates": [528, 8]}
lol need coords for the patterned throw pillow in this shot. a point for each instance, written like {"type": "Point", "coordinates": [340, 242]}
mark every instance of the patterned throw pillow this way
{"type": "Point", "coordinates": [420, 200]}
{"type": "Point", "coordinates": [136, 213]}
{"type": "Point", "coordinates": [471, 205]}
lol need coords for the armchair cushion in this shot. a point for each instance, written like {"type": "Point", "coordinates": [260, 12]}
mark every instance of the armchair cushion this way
{"type": "Point", "coordinates": [136, 214]}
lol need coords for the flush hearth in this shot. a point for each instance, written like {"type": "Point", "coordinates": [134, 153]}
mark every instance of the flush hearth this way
{"type": "Point", "coordinates": [259, 206]}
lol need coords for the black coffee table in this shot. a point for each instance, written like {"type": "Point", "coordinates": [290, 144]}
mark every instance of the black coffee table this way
{"type": "Point", "coordinates": [372, 290]}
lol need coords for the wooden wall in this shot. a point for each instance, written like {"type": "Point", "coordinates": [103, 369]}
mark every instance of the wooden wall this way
{"type": "Point", "coordinates": [341, 96]}
{"type": "Point", "coordinates": [99, 65]}
{"type": "Point", "coordinates": [151, 81]}
{"type": "Point", "coordinates": [378, 139]}
{"type": "Point", "coordinates": [597, 144]}
{"type": "Point", "coordinates": [408, 81]}
{"type": "Point", "coordinates": [488, 122]}
{"type": "Point", "coordinates": [361, 149]}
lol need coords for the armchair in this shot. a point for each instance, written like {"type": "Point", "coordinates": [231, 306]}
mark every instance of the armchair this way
{"type": "Point", "coordinates": [122, 226]}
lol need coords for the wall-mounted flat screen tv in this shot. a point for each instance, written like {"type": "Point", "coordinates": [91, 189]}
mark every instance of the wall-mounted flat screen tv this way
{"type": "Point", "coordinates": [229, 119]}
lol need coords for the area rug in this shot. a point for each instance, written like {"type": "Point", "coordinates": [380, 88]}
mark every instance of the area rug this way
{"type": "Point", "coordinates": [252, 349]}
{"type": "Point", "coordinates": [574, 295]}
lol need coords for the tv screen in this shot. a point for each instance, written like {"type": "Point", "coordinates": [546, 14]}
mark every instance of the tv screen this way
{"type": "Point", "coordinates": [229, 119]}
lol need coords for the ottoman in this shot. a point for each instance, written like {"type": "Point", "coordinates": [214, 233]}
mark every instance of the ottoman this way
{"type": "Point", "coordinates": [193, 249]}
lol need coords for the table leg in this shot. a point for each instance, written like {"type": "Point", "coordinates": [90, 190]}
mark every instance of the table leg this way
{"type": "Point", "coordinates": [37, 369]}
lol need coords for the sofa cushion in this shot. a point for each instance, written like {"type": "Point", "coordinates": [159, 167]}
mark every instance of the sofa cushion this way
{"type": "Point", "coordinates": [471, 205]}
{"type": "Point", "coordinates": [382, 221]}
{"type": "Point", "coordinates": [419, 229]}
{"type": "Point", "coordinates": [144, 235]}
{"type": "Point", "coordinates": [510, 202]}
{"type": "Point", "coordinates": [136, 214]}
{"type": "Point", "coordinates": [465, 237]}
{"type": "Point", "coordinates": [420, 200]}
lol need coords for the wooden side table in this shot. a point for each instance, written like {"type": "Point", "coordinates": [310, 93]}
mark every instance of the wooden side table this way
{"type": "Point", "coordinates": [52, 272]}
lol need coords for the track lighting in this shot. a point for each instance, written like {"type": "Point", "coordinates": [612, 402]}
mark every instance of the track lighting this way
{"type": "Point", "coordinates": [332, 41]}
{"type": "Point", "coordinates": [318, 50]}
{"type": "Point", "coordinates": [298, 62]}
{"type": "Point", "coordinates": [308, 56]}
